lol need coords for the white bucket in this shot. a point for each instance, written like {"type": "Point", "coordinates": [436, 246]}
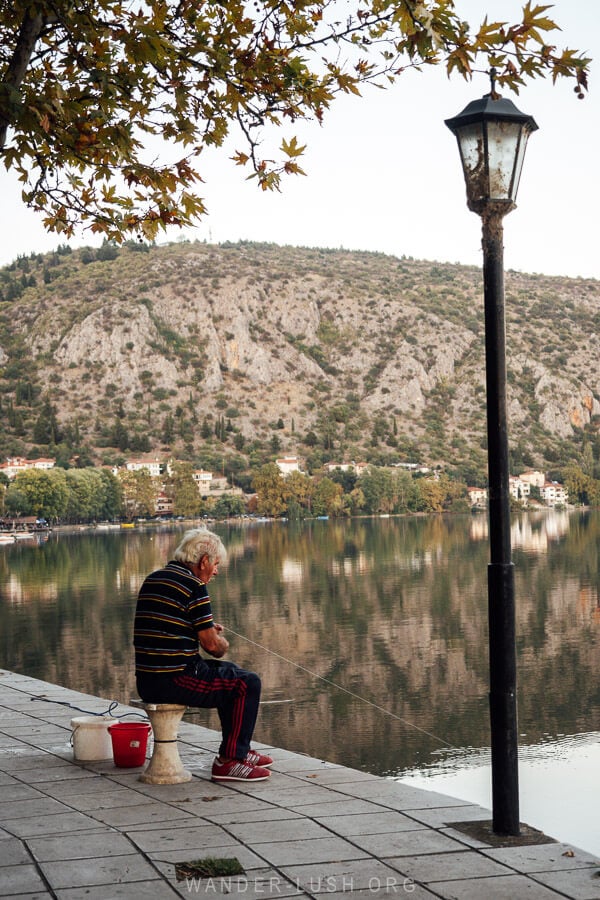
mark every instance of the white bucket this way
{"type": "Point", "coordinates": [90, 737]}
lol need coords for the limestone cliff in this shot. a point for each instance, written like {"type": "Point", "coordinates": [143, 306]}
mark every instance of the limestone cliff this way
{"type": "Point", "coordinates": [369, 352]}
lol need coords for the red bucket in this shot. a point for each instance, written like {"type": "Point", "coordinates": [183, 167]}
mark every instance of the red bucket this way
{"type": "Point", "coordinates": [129, 742]}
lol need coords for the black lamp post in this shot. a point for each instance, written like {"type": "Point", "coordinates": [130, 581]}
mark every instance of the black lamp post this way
{"type": "Point", "coordinates": [492, 134]}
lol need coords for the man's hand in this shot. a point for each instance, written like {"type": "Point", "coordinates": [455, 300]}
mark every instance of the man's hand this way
{"type": "Point", "coordinates": [212, 641]}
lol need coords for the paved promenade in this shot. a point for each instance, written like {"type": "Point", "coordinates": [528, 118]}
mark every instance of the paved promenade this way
{"type": "Point", "coordinates": [73, 830]}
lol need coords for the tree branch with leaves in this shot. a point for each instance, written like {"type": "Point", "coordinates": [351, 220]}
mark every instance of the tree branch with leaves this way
{"type": "Point", "coordinates": [89, 90]}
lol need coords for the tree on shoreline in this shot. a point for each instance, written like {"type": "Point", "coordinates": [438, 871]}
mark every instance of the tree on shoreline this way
{"type": "Point", "coordinates": [84, 87]}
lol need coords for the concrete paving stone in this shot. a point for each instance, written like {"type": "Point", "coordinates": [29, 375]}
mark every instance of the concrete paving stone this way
{"type": "Point", "coordinates": [105, 767]}
{"type": "Point", "coordinates": [50, 742]}
{"type": "Point", "coordinates": [23, 730]}
{"type": "Point", "coordinates": [198, 789]}
{"type": "Point", "coordinates": [106, 800]}
{"type": "Point", "coordinates": [127, 777]}
{"type": "Point", "coordinates": [139, 890]}
{"type": "Point", "coordinates": [201, 769]}
{"type": "Point", "coordinates": [171, 823]}
{"type": "Point", "coordinates": [34, 826]}
{"type": "Point", "coordinates": [24, 705]}
{"type": "Point", "coordinates": [247, 858]}
{"type": "Point", "coordinates": [20, 879]}
{"type": "Point", "coordinates": [13, 853]}
{"type": "Point", "coordinates": [288, 795]}
{"type": "Point", "coordinates": [262, 882]}
{"type": "Point", "coordinates": [121, 817]}
{"type": "Point", "coordinates": [332, 776]}
{"type": "Point", "coordinates": [439, 817]}
{"type": "Point", "coordinates": [397, 796]}
{"type": "Point", "coordinates": [290, 830]}
{"type": "Point", "coordinates": [229, 808]}
{"type": "Point", "coordinates": [63, 772]}
{"type": "Point", "coordinates": [21, 809]}
{"type": "Point", "coordinates": [267, 814]}
{"type": "Point", "coordinates": [77, 787]}
{"type": "Point", "coordinates": [182, 839]}
{"type": "Point", "coordinates": [202, 798]}
{"type": "Point", "coordinates": [509, 887]}
{"type": "Point", "coordinates": [342, 877]}
{"type": "Point", "coordinates": [297, 763]}
{"type": "Point", "coordinates": [80, 846]}
{"type": "Point", "coordinates": [198, 764]}
{"type": "Point", "coordinates": [282, 853]}
{"type": "Point", "coordinates": [282, 753]}
{"type": "Point", "coordinates": [109, 871]}
{"type": "Point", "coordinates": [433, 867]}
{"type": "Point", "coordinates": [381, 822]}
{"type": "Point", "coordinates": [37, 895]}
{"type": "Point", "coordinates": [8, 743]}
{"type": "Point", "coordinates": [345, 806]}
{"type": "Point", "coordinates": [465, 839]}
{"type": "Point", "coordinates": [542, 857]}
{"type": "Point", "coordinates": [19, 791]}
{"type": "Point", "coordinates": [6, 779]}
{"type": "Point", "coordinates": [28, 758]}
{"type": "Point", "coordinates": [207, 746]}
{"type": "Point", "coordinates": [404, 888]}
{"type": "Point", "coordinates": [9, 717]}
{"type": "Point", "coordinates": [582, 884]}
{"type": "Point", "coordinates": [408, 843]}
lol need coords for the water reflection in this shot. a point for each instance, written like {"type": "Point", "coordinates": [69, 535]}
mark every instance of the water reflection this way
{"type": "Point", "coordinates": [532, 531]}
{"type": "Point", "coordinates": [557, 780]}
{"type": "Point", "coordinates": [393, 611]}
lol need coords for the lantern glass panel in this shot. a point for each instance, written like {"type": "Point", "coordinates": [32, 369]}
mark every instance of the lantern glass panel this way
{"type": "Point", "coordinates": [503, 151]}
{"type": "Point", "coordinates": [472, 150]}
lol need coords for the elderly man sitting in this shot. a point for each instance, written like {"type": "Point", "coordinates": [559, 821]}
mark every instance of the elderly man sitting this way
{"type": "Point", "coordinates": [173, 619]}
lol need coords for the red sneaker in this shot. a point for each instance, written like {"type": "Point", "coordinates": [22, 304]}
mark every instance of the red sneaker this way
{"type": "Point", "coordinates": [238, 770]}
{"type": "Point", "coordinates": [258, 759]}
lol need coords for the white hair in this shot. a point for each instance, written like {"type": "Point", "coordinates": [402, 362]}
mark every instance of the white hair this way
{"type": "Point", "coordinates": [199, 542]}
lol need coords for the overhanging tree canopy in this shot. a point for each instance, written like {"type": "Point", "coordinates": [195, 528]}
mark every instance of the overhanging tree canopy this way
{"type": "Point", "coordinates": [85, 86]}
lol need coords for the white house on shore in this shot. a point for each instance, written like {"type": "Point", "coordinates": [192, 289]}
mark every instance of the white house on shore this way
{"type": "Point", "coordinates": [477, 496]}
{"type": "Point", "coordinates": [203, 480]}
{"type": "Point", "coordinates": [287, 465]}
{"type": "Point", "coordinates": [533, 478]}
{"type": "Point", "coordinates": [554, 494]}
{"type": "Point", "coordinates": [551, 492]}
{"type": "Point", "coordinates": [154, 466]}
{"type": "Point", "coordinates": [16, 464]}
{"type": "Point", "coordinates": [518, 488]}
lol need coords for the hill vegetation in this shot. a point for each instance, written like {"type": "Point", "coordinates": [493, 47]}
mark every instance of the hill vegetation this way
{"type": "Point", "coordinates": [228, 356]}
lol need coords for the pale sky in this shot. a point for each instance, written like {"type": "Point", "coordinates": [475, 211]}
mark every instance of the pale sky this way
{"type": "Point", "coordinates": [383, 173]}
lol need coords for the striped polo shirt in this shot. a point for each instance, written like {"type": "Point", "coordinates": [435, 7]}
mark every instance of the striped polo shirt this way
{"type": "Point", "coordinates": [173, 605]}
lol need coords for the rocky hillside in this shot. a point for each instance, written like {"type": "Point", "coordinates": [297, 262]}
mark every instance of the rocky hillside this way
{"type": "Point", "coordinates": [259, 350]}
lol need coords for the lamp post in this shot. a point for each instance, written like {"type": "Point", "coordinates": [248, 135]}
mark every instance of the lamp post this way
{"type": "Point", "coordinates": [492, 134]}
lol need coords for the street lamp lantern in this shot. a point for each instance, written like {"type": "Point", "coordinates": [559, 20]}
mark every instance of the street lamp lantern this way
{"type": "Point", "coordinates": [492, 135]}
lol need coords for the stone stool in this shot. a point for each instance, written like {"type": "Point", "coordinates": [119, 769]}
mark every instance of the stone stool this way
{"type": "Point", "coordinates": [165, 766]}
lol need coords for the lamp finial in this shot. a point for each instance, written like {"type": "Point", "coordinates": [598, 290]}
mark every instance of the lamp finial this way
{"type": "Point", "coordinates": [493, 74]}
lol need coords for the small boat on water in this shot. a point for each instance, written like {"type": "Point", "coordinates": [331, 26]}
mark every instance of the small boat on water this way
{"type": "Point", "coordinates": [7, 537]}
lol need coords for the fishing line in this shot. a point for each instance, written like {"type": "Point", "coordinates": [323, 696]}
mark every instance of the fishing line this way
{"type": "Point", "coordinates": [341, 688]}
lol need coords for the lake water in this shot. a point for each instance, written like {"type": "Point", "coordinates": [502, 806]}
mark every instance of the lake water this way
{"type": "Point", "coordinates": [370, 636]}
